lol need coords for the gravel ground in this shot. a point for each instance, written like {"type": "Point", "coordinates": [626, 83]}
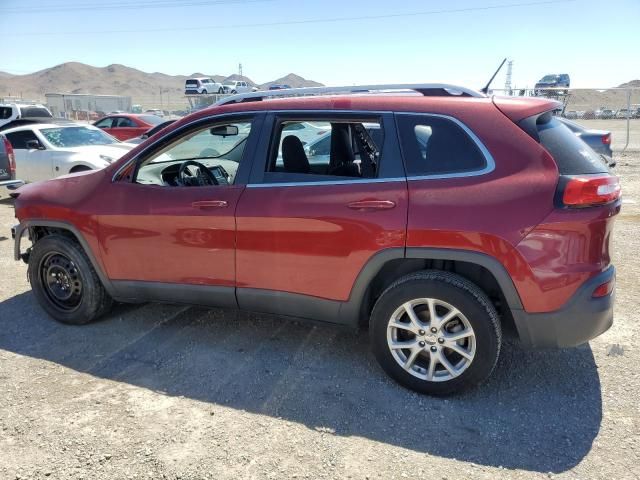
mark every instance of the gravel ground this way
{"type": "Point", "coordinates": [157, 391]}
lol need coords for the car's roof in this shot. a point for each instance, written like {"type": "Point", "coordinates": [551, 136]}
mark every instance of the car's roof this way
{"type": "Point", "coordinates": [40, 126]}
{"type": "Point", "coordinates": [447, 105]}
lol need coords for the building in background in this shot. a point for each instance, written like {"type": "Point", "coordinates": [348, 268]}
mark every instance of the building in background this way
{"type": "Point", "coordinates": [85, 105]}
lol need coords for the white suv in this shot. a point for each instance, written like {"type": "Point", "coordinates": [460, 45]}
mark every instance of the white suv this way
{"type": "Point", "coordinates": [14, 111]}
{"type": "Point", "coordinates": [237, 86]}
{"type": "Point", "coordinates": [202, 85]}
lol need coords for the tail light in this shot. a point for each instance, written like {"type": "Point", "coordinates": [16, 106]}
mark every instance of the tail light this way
{"type": "Point", "coordinates": [12, 158]}
{"type": "Point", "coordinates": [604, 289]}
{"type": "Point", "coordinates": [606, 139]}
{"type": "Point", "coordinates": [589, 190]}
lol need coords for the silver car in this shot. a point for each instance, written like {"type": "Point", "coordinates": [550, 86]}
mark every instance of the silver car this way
{"type": "Point", "coordinates": [598, 140]}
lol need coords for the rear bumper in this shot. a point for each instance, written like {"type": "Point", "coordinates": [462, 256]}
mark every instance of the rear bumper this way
{"type": "Point", "coordinates": [580, 320]}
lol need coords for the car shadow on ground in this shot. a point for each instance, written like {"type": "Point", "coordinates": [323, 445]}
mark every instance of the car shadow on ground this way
{"type": "Point", "coordinates": [540, 411]}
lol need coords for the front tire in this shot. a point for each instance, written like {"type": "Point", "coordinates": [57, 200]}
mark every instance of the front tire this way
{"type": "Point", "coordinates": [435, 332]}
{"type": "Point", "coordinates": [65, 283]}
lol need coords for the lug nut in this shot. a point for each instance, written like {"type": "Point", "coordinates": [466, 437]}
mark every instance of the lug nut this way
{"type": "Point", "coordinates": [434, 329]}
{"type": "Point", "coordinates": [441, 340]}
{"type": "Point", "coordinates": [422, 344]}
{"type": "Point", "coordinates": [434, 349]}
{"type": "Point", "coordinates": [422, 332]}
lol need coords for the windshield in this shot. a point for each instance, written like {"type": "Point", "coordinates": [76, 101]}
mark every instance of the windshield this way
{"type": "Point", "coordinates": [67, 137]}
{"type": "Point", "coordinates": [151, 119]}
{"type": "Point", "coordinates": [549, 78]}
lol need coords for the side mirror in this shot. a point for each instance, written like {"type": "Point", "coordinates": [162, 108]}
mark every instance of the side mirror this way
{"type": "Point", "coordinates": [224, 131]}
{"type": "Point", "coordinates": [34, 145]}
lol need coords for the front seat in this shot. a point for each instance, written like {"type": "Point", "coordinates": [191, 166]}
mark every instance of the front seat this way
{"type": "Point", "coordinates": [293, 156]}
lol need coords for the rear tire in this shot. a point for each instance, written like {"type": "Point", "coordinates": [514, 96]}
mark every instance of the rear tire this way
{"type": "Point", "coordinates": [435, 332]}
{"type": "Point", "coordinates": [79, 168]}
{"type": "Point", "coordinates": [65, 283]}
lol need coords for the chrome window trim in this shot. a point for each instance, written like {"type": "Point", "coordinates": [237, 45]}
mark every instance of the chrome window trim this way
{"type": "Point", "coordinates": [488, 168]}
{"type": "Point", "coordinates": [327, 182]}
{"type": "Point", "coordinates": [490, 162]}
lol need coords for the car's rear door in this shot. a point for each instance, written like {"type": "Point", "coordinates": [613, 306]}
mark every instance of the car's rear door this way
{"type": "Point", "coordinates": [32, 165]}
{"type": "Point", "coordinates": [303, 238]}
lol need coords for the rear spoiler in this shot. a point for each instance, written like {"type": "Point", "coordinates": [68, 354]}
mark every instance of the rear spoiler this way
{"type": "Point", "coordinates": [519, 108]}
{"type": "Point", "coordinates": [527, 112]}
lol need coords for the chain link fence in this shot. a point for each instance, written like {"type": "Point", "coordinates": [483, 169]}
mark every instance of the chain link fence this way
{"type": "Point", "coordinates": [616, 110]}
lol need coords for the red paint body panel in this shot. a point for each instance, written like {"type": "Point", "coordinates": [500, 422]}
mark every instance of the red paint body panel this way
{"type": "Point", "coordinates": [307, 240]}
{"type": "Point", "coordinates": [154, 234]}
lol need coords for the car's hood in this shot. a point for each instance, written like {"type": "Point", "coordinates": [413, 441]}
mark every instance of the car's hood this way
{"type": "Point", "coordinates": [114, 151]}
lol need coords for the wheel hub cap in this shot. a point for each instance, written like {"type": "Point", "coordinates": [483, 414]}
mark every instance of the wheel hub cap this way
{"type": "Point", "coordinates": [431, 339]}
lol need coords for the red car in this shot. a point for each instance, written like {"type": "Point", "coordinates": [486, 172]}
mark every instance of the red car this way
{"type": "Point", "coordinates": [437, 217]}
{"type": "Point", "coordinates": [127, 125]}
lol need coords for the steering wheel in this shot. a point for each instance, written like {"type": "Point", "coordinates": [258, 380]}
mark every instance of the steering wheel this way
{"type": "Point", "coordinates": [200, 178]}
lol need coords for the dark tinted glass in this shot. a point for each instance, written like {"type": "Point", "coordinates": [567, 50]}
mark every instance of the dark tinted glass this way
{"type": "Point", "coordinates": [34, 112]}
{"type": "Point", "coordinates": [571, 154]}
{"type": "Point", "coordinates": [19, 140]}
{"type": "Point", "coordinates": [5, 112]}
{"type": "Point", "coordinates": [436, 146]}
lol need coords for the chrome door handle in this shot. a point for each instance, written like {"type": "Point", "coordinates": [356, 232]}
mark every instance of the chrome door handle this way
{"type": "Point", "coordinates": [210, 204]}
{"type": "Point", "coordinates": [371, 205]}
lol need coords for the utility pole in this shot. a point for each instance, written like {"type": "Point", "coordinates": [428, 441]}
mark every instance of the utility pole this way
{"type": "Point", "coordinates": [240, 69]}
{"type": "Point", "coordinates": [507, 82]}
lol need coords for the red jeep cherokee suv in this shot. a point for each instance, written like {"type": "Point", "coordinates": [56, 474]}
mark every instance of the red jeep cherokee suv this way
{"type": "Point", "coordinates": [437, 216]}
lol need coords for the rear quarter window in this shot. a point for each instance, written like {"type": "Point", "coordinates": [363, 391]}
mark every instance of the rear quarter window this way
{"type": "Point", "coordinates": [434, 145]}
{"type": "Point", "coordinates": [572, 155]}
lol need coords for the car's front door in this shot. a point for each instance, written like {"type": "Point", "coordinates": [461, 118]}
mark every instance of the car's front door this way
{"type": "Point", "coordinates": [306, 230]}
{"type": "Point", "coordinates": [165, 235]}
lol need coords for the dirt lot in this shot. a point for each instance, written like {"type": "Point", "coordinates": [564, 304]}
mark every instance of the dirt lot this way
{"type": "Point", "coordinates": [173, 392]}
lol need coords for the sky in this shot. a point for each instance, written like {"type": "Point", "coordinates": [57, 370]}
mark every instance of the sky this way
{"type": "Point", "coordinates": [336, 42]}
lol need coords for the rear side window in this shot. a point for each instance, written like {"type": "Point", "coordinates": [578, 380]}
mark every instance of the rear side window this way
{"type": "Point", "coordinates": [571, 154]}
{"type": "Point", "coordinates": [19, 139]}
{"type": "Point", "coordinates": [437, 146]}
{"type": "Point", "coordinates": [5, 112]}
{"type": "Point", "coordinates": [34, 112]}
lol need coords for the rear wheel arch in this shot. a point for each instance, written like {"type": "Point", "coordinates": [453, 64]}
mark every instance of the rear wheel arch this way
{"type": "Point", "coordinates": [482, 270]}
{"type": "Point", "coordinates": [80, 168]}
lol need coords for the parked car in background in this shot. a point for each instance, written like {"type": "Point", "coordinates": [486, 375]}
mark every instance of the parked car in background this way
{"type": "Point", "coordinates": [279, 86]}
{"type": "Point", "coordinates": [624, 113]}
{"type": "Point", "coordinates": [237, 86]}
{"type": "Point", "coordinates": [43, 151]}
{"type": "Point", "coordinates": [127, 125]}
{"type": "Point", "coordinates": [202, 85]}
{"type": "Point", "coordinates": [149, 133]}
{"type": "Point", "coordinates": [598, 140]}
{"type": "Point", "coordinates": [14, 111]}
{"type": "Point", "coordinates": [552, 81]}
{"type": "Point", "coordinates": [605, 114]}
{"type": "Point", "coordinates": [409, 243]}
{"type": "Point", "coordinates": [7, 167]}
{"type": "Point", "coordinates": [155, 111]}
{"type": "Point", "coordinates": [571, 114]}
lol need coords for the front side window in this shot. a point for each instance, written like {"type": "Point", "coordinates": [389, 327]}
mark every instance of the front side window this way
{"type": "Point", "coordinates": [104, 123]}
{"type": "Point", "coordinates": [69, 137]}
{"type": "Point", "coordinates": [209, 155]}
{"type": "Point", "coordinates": [123, 122]}
{"type": "Point", "coordinates": [437, 146]}
{"type": "Point", "coordinates": [317, 150]}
